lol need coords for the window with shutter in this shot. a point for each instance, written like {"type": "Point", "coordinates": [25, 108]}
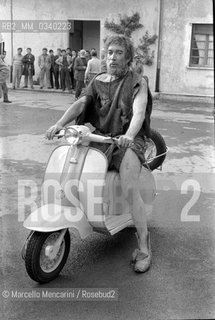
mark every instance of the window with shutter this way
{"type": "Point", "coordinates": [201, 52]}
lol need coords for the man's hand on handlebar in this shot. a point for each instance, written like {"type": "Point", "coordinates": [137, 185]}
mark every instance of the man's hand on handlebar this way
{"type": "Point", "coordinates": [125, 141]}
{"type": "Point", "coordinates": [50, 133]}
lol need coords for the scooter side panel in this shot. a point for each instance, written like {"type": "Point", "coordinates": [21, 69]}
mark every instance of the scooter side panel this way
{"type": "Point", "coordinates": [52, 217]}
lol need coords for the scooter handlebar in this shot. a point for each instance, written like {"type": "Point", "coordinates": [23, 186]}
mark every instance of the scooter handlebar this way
{"type": "Point", "coordinates": [98, 138]}
{"type": "Point", "coordinates": [87, 136]}
{"type": "Point", "coordinates": [60, 134]}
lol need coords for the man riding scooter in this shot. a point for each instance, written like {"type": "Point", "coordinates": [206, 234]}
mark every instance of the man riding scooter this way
{"type": "Point", "coordinates": [118, 103]}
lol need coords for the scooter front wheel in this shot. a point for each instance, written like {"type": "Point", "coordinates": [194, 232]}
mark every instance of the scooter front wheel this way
{"type": "Point", "coordinates": [41, 267]}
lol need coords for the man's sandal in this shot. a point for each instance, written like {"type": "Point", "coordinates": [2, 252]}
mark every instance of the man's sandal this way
{"type": "Point", "coordinates": [141, 261]}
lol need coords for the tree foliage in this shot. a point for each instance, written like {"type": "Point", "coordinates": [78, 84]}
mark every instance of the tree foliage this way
{"type": "Point", "coordinates": [143, 48]}
{"type": "Point", "coordinates": [127, 26]}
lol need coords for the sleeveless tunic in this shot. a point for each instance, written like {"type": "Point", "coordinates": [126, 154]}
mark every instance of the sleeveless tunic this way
{"type": "Point", "coordinates": [110, 112]}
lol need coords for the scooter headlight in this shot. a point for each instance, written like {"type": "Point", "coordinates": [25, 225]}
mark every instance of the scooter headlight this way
{"type": "Point", "coordinates": [72, 136]}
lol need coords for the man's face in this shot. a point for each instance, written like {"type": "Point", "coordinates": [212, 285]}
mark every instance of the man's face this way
{"type": "Point", "coordinates": [44, 51]}
{"type": "Point", "coordinates": [28, 51]}
{"type": "Point", "coordinates": [63, 53]}
{"type": "Point", "coordinates": [68, 51]}
{"type": "Point", "coordinates": [58, 52]}
{"type": "Point", "coordinates": [19, 51]}
{"type": "Point", "coordinates": [116, 59]}
{"type": "Point", "coordinates": [82, 54]}
{"type": "Point", "coordinates": [87, 55]}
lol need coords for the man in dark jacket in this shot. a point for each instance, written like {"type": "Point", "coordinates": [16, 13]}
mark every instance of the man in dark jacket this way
{"type": "Point", "coordinates": [56, 68]}
{"type": "Point", "coordinates": [80, 67]}
{"type": "Point", "coordinates": [29, 71]}
{"type": "Point", "coordinates": [52, 58]}
{"type": "Point", "coordinates": [64, 62]}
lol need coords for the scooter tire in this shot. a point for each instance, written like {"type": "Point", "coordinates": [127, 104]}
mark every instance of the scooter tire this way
{"type": "Point", "coordinates": [160, 146]}
{"type": "Point", "coordinates": [33, 253]}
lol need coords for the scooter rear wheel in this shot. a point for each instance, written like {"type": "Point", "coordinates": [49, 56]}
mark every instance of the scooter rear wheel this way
{"type": "Point", "coordinates": [39, 267]}
{"type": "Point", "coordinates": [155, 146]}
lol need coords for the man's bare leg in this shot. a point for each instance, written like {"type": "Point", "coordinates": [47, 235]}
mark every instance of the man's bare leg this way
{"type": "Point", "coordinates": [1, 92]}
{"type": "Point", "coordinates": [129, 173]}
{"type": "Point", "coordinates": [5, 93]}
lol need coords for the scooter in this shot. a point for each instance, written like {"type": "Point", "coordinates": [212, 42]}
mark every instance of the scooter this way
{"type": "Point", "coordinates": [79, 192]}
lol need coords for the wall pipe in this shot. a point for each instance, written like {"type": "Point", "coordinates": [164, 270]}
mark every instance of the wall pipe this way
{"type": "Point", "coordinates": [11, 39]}
{"type": "Point", "coordinates": [157, 81]}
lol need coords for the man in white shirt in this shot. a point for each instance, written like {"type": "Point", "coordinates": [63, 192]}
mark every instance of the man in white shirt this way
{"type": "Point", "coordinates": [17, 68]}
{"type": "Point", "coordinates": [93, 67]}
{"type": "Point", "coordinates": [44, 63]}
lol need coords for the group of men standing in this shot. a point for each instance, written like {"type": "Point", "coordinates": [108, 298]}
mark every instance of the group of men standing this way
{"type": "Point", "coordinates": [67, 69]}
{"type": "Point", "coordinates": [23, 65]}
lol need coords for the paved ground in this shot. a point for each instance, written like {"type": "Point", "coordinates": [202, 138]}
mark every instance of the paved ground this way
{"type": "Point", "coordinates": [180, 284]}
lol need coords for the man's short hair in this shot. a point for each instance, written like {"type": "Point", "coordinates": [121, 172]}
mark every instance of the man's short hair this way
{"type": "Point", "coordinates": [45, 49]}
{"type": "Point", "coordinates": [59, 49]}
{"type": "Point", "coordinates": [28, 49]}
{"type": "Point", "coordinates": [68, 49]}
{"type": "Point", "coordinates": [51, 51]}
{"type": "Point", "coordinates": [63, 50]}
{"type": "Point", "coordinates": [93, 53]}
{"type": "Point", "coordinates": [19, 49]}
{"type": "Point", "coordinates": [124, 42]}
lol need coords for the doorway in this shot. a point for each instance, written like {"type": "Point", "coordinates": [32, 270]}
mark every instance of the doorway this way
{"type": "Point", "coordinates": [84, 34]}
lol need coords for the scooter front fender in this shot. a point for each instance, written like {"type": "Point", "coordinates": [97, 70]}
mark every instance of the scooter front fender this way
{"type": "Point", "coordinates": [53, 217]}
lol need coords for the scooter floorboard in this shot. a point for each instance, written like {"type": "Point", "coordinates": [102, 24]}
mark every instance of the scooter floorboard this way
{"type": "Point", "coordinates": [115, 223]}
